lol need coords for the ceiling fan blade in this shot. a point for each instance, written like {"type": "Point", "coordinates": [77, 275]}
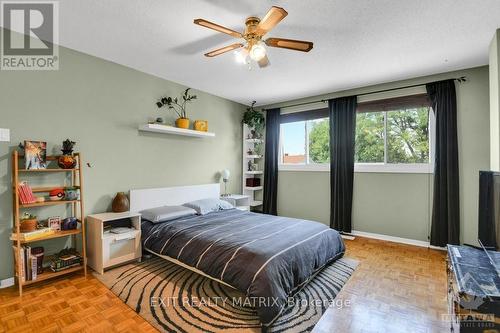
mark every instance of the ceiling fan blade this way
{"type": "Point", "coordinates": [264, 62]}
{"type": "Point", "coordinates": [272, 18]}
{"type": "Point", "coordinates": [216, 27]}
{"type": "Point", "coordinates": [291, 44]}
{"type": "Point", "coordinates": [223, 50]}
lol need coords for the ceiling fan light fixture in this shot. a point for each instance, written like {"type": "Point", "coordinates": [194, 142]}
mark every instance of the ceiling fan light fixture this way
{"type": "Point", "coordinates": [241, 56]}
{"type": "Point", "coordinates": [258, 51]}
{"type": "Point", "coordinates": [254, 49]}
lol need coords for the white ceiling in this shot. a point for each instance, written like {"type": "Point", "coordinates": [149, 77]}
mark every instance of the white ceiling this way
{"type": "Point", "coordinates": [356, 43]}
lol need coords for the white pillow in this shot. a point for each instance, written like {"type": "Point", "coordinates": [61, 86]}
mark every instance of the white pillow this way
{"type": "Point", "coordinates": [166, 213]}
{"type": "Point", "coordinates": [205, 206]}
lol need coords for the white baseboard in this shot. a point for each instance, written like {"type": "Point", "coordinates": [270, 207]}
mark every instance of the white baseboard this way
{"type": "Point", "coordinates": [7, 283]}
{"type": "Point", "coordinates": [347, 236]}
{"type": "Point", "coordinates": [397, 239]}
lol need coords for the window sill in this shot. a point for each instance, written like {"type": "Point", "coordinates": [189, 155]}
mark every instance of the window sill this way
{"type": "Point", "coordinates": [364, 168]}
{"type": "Point", "coordinates": [304, 167]}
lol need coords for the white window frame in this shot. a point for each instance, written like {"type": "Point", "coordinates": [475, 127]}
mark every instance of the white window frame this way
{"type": "Point", "coordinates": [385, 167]}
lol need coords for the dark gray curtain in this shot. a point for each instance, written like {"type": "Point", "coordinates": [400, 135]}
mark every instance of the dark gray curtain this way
{"type": "Point", "coordinates": [342, 135]}
{"type": "Point", "coordinates": [271, 162]}
{"type": "Point", "coordinates": [445, 228]}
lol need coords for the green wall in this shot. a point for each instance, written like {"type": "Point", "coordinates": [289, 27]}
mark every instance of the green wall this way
{"type": "Point", "coordinates": [100, 105]}
{"type": "Point", "coordinates": [399, 204]}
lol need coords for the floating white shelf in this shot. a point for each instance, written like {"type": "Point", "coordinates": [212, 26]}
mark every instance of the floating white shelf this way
{"type": "Point", "coordinates": [253, 156]}
{"type": "Point", "coordinates": [253, 188]}
{"type": "Point", "coordinates": [157, 128]}
{"type": "Point", "coordinates": [255, 203]}
{"type": "Point", "coordinates": [254, 172]}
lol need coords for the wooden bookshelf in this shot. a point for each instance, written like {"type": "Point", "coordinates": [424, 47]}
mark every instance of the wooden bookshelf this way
{"type": "Point", "coordinates": [77, 210]}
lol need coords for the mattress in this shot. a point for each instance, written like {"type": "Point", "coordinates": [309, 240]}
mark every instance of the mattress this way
{"type": "Point", "coordinates": [266, 257]}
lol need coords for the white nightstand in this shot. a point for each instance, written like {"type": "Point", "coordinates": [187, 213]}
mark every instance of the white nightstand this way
{"type": "Point", "coordinates": [106, 249]}
{"type": "Point", "coordinates": [241, 202]}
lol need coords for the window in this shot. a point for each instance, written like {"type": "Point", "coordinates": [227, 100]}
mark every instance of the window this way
{"type": "Point", "coordinates": [397, 138]}
{"type": "Point", "coordinates": [391, 136]}
{"type": "Point", "coordinates": [304, 142]}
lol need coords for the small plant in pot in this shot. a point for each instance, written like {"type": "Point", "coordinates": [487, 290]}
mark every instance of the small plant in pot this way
{"type": "Point", "coordinates": [254, 119]}
{"type": "Point", "coordinates": [67, 160]}
{"type": "Point", "coordinates": [28, 223]}
{"type": "Point", "coordinates": [179, 107]}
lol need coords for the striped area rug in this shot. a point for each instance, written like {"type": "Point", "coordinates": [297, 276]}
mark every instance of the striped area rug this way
{"type": "Point", "coordinates": [174, 299]}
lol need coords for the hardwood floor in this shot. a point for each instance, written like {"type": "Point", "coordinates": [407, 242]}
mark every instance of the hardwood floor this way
{"type": "Point", "coordinates": [396, 288]}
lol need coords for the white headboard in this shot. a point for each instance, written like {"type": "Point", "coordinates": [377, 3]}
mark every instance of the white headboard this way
{"type": "Point", "coordinates": [167, 196]}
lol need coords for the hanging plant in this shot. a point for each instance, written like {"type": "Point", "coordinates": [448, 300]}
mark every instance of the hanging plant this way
{"type": "Point", "coordinates": [254, 119]}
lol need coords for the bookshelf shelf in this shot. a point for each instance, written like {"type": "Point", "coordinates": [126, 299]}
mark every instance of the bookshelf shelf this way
{"type": "Point", "coordinates": [254, 172]}
{"type": "Point", "coordinates": [50, 275]}
{"type": "Point", "coordinates": [254, 140]}
{"type": "Point", "coordinates": [50, 188]}
{"type": "Point", "coordinates": [48, 203]}
{"type": "Point", "coordinates": [42, 237]}
{"type": "Point", "coordinates": [77, 210]}
{"type": "Point", "coordinates": [48, 170]}
{"type": "Point", "coordinates": [253, 188]}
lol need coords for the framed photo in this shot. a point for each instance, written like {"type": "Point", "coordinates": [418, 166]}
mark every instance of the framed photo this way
{"type": "Point", "coordinates": [54, 223]}
{"type": "Point", "coordinates": [35, 155]}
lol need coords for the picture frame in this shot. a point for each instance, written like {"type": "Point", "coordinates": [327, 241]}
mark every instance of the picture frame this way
{"type": "Point", "coordinates": [54, 223]}
{"type": "Point", "coordinates": [35, 155]}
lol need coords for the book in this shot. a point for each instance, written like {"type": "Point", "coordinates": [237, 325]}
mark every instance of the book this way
{"type": "Point", "coordinates": [21, 273]}
{"type": "Point", "coordinates": [64, 259]}
{"type": "Point", "coordinates": [34, 267]}
{"type": "Point", "coordinates": [26, 195]}
{"type": "Point", "coordinates": [53, 269]}
{"type": "Point", "coordinates": [27, 262]}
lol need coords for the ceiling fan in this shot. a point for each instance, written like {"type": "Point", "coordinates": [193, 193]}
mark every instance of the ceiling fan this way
{"type": "Point", "coordinates": [255, 30]}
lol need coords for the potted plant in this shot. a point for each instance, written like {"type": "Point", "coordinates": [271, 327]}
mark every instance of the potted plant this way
{"type": "Point", "coordinates": [67, 160]}
{"type": "Point", "coordinates": [28, 223]}
{"type": "Point", "coordinates": [179, 107]}
{"type": "Point", "coordinates": [254, 119]}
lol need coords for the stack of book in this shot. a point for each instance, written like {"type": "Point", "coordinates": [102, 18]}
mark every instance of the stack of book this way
{"type": "Point", "coordinates": [65, 259]}
{"type": "Point", "coordinates": [28, 264]}
{"type": "Point", "coordinates": [26, 195]}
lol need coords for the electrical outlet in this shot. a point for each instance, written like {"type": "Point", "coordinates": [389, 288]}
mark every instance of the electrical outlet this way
{"type": "Point", "coordinates": [5, 134]}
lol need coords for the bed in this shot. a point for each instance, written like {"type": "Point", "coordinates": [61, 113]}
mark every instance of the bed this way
{"type": "Point", "coordinates": [268, 258]}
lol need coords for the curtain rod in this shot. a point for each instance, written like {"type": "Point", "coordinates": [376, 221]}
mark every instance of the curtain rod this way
{"type": "Point", "coordinates": [459, 79]}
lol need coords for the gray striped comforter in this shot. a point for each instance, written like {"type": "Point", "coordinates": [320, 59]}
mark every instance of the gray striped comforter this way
{"type": "Point", "coordinates": [266, 257]}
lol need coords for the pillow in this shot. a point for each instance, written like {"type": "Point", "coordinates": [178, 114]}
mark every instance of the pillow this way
{"type": "Point", "coordinates": [166, 213]}
{"type": "Point", "coordinates": [205, 206]}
